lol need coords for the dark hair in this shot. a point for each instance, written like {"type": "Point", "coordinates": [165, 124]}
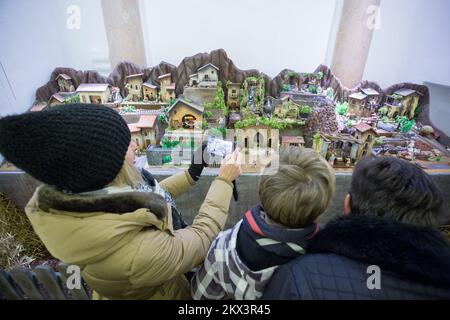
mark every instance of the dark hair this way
{"type": "Point", "coordinates": [396, 189]}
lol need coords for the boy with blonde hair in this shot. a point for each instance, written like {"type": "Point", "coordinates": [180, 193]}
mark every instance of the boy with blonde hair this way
{"type": "Point", "coordinates": [241, 260]}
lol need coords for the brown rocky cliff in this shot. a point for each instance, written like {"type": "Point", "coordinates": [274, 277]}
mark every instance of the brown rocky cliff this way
{"type": "Point", "coordinates": [227, 72]}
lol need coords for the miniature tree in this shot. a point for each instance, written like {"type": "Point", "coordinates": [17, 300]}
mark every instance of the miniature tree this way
{"type": "Point", "coordinates": [305, 109]}
{"type": "Point", "coordinates": [127, 90]}
{"type": "Point", "coordinates": [378, 141]}
{"type": "Point", "coordinates": [383, 111]}
{"type": "Point", "coordinates": [400, 120]}
{"type": "Point", "coordinates": [350, 123]}
{"type": "Point", "coordinates": [219, 100]}
{"type": "Point", "coordinates": [204, 124]}
{"type": "Point", "coordinates": [313, 88]}
{"type": "Point", "coordinates": [172, 101]}
{"type": "Point", "coordinates": [207, 114]}
{"type": "Point", "coordinates": [73, 99]}
{"type": "Point", "coordinates": [316, 137]}
{"type": "Point", "coordinates": [417, 111]}
{"type": "Point", "coordinates": [407, 126]}
{"type": "Point", "coordinates": [342, 108]}
{"type": "Point", "coordinates": [163, 118]}
{"type": "Point", "coordinates": [404, 124]}
{"type": "Point", "coordinates": [330, 93]}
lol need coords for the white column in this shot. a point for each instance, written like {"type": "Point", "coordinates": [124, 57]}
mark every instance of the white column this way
{"type": "Point", "coordinates": [353, 40]}
{"type": "Point", "coordinates": [124, 31]}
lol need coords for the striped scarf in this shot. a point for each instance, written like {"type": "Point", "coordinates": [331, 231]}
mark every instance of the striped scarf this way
{"type": "Point", "coordinates": [262, 245]}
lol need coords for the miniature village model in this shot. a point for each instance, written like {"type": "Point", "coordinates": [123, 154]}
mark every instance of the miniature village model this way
{"type": "Point", "coordinates": [172, 108]}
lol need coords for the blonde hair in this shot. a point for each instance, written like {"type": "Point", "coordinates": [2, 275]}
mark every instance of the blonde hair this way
{"type": "Point", "coordinates": [127, 176]}
{"type": "Point", "coordinates": [299, 190]}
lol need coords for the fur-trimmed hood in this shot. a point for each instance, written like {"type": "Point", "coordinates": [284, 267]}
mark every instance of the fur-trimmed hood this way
{"type": "Point", "coordinates": [119, 203]}
{"type": "Point", "coordinates": [81, 229]}
{"type": "Point", "coordinates": [419, 253]}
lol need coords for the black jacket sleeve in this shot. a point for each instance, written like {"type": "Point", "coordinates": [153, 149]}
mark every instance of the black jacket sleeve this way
{"type": "Point", "coordinates": [282, 286]}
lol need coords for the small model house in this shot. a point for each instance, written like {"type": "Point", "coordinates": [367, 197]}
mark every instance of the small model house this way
{"type": "Point", "coordinates": [365, 135]}
{"type": "Point", "coordinates": [311, 83]}
{"type": "Point", "coordinates": [184, 114]}
{"type": "Point", "coordinates": [357, 103]}
{"type": "Point", "coordinates": [296, 141]}
{"type": "Point", "coordinates": [94, 92]}
{"type": "Point", "coordinates": [150, 91]}
{"type": "Point", "coordinates": [133, 84]}
{"type": "Point", "coordinates": [402, 102]}
{"type": "Point", "coordinates": [257, 137]}
{"type": "Point", "coordinates": [65, 83]}
{"type": "Point", "coordinates": [343, 149]}
{"type": "Point", "coordinates": [167, 91]}
{"type": "Point", "coordinates": [409, 100]}
{"type": "Point", "coordinates": [206, 76]}
{"type": "Point", "coordinates": [233, 95]}
{"type": "Point", "coordinates": [287, 108]}
{"type": "Point", "coordinates": [60, 98]}
{"type": "Point", "coordinates": [340, 150]}
{"type": "Point", "coordinates": [171, 92]}
{"type": "Point", "coordinates": [56, 99]}
{"type": "Point", "coordinates": [372, 101]}
{"type": "Point", "coordinates": [145, 131]}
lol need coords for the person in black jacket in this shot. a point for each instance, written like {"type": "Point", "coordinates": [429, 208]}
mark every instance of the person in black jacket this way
{"type": "Point", "coordinates": [387, 246]}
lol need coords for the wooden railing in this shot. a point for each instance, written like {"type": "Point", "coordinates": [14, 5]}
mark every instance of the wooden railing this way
{"type": "Point", "coordinates": [41, 283]}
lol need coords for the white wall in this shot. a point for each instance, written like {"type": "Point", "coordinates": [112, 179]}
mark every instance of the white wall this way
{"type": "Point", "coordinates": [413, 43]}
{"type": "Point", "coordinates": [257, 34]}
{"type": "Point", "coordinates": [35, 40]}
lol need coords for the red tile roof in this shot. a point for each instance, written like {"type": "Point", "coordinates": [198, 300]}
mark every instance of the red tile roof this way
{"type": "Point", "coordinates": [146, 121]}
{"type": "Point", "coordinates": [134, 75]}
{"type": "Point", "coordinates": [133, 127]}
{"type": "Point", "coordinates": [363, 127]}
{"type": "Point", "coordinates": [64, 76]}
{"type": "Point", "coordinates": [37, 107]}
{"type": "Point", "coordinates": [292, 139]}
{"type": "Point", "coordinates": [164, 76]}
